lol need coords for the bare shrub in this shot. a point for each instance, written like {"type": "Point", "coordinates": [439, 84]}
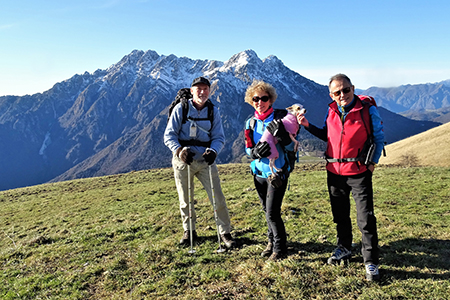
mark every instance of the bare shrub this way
{"type": "Point", "coordinates": [409, 160]}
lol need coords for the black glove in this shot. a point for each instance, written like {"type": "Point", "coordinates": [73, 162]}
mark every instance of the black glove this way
{"type": "Point", "coordinates": [260, 150]}
{"type": "Point", "coordinates": [276, 128]}
{"type": "Point", "coordinates": [209, 156]}
{"type": "Point", "coordinates": [185, 154]}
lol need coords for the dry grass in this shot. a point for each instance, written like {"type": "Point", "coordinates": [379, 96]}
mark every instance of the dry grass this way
{"type": "Point", "coordinates": [116, 237]}
{"type": "Point", "coordinates": [429, 148]}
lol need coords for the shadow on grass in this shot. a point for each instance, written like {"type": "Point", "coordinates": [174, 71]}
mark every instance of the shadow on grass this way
{"type": "Point", "coordinates": [240, 241]}
{"type": "Point", "coordinates": [243, 241]}
{"type": "Point", "coordinates": [429, 255]}
{"type": "Point", "coordinates": [239, 237]}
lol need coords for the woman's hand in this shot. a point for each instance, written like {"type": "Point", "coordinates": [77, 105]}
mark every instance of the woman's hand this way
{"type": "Point", "coordinates": [277, 129]}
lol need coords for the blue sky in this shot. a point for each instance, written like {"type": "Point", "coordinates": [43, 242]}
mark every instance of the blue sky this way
{"type": "Point", "coordinates": [377, 43]}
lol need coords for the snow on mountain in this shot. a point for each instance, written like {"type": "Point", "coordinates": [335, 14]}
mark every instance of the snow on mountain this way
{"type": "Point", "coordinates": [112, 120]}
{"type": "Point", "coordinates": [446, 82]}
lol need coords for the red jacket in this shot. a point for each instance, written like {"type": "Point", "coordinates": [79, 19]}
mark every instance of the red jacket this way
{"type": "Point", "coordinates": [345, 140]}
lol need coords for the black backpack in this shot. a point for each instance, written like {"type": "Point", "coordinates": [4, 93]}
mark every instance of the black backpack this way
{"type": "Point", "coordinates": [183, 96]}
{"type": "Point", "coordinates": [278, 114]}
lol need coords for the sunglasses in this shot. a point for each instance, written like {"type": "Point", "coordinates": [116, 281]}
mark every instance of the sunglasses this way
{"type": "Point", "coordinates": [263, 99]}
{"type": "Point", "coordinates": [344, 91]}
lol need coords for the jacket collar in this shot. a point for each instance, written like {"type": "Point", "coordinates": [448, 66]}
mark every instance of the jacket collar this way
{"type": "Point", "coordinates": [264, 115]}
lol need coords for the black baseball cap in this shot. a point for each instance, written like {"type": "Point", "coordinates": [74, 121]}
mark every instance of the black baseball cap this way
{"type": "Point", "coordinates": [200, 80]}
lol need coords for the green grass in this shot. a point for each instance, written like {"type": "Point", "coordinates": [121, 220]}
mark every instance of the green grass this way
{"type": "Point", "coordinates": [116, 237]}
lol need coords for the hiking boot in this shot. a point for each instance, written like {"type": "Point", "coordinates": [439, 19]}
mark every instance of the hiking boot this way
{"type": "Point", "coordinates": [268, 251]}
{"type": "Point", "coordinates": [277, 256]}
{"type": "Point", "coordinates": [340, 254]}
{"type": "Point", "coordinates": [228, 240]}
{"type": "Point", "coordinates": [372, 272]}
{"type": "Point", "coordinates": [185, 240]}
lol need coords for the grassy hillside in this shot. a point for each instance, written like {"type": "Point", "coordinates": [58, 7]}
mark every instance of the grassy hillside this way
{"type": "Point", "coordinates": [429, 148]}
{"type": "Point", "coordinates": [116, 237]}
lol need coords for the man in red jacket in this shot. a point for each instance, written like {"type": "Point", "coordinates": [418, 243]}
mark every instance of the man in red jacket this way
{"type": "Point", "coordinates": [349, 169]}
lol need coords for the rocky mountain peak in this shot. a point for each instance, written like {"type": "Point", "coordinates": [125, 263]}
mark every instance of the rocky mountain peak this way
{"type": "Point", "coordinates": [113, 120]}
{"type": "Point", "coordinates": [240, 60]}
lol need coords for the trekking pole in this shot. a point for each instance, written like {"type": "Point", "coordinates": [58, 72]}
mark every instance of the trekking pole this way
{"type": "Point", "coordinates": [190, 210]}
{"type": "Point", "coordinates": [220, 250]}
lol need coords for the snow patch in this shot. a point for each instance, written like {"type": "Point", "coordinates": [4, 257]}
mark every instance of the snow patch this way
{"type": "Point", "coordinates": [45, 144]}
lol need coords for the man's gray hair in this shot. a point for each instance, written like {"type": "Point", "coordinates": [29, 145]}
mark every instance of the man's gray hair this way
{"type": "Point", "coordinates": [339, 76]}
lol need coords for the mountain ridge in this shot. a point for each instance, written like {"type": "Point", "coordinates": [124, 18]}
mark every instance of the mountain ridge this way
{"type": "Point", "coordinates": [112, 121]}
{"type": "Point", "coordinates": [412, 98]}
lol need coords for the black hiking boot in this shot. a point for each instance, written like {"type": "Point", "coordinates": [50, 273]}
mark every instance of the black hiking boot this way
{"type": "Point", "coordinates": [228, 240]}
{"type": "Point", "coordinates": [268, 251]}
{"type": "Point", "coordinates": [185, 240]}
{"type": "Point", "coordinates": [277, 256]}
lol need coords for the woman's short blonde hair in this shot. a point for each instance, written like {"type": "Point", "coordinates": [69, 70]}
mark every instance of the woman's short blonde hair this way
{"type": "Point", "coordinates": [260, 86]}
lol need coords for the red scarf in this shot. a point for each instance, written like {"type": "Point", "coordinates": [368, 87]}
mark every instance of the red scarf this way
{"type": "Point", "coordinates": [264, 115]}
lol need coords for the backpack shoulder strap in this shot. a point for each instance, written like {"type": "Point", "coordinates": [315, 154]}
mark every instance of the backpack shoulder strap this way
{"type": "Point", "coordinates": [185, 109]}
{"type": "Point", "coordinates": [279, 113]}
{"type": "Point", "coordinates": [209, 117]}
{"type": "Point", "coordinates": [366, 118]}
{"type": "Point", "coordinates": [252, 123]}
{"type": "Point", "coordinates": [210, 106]}
{"type": "Point", "coordinates": [248, 132]}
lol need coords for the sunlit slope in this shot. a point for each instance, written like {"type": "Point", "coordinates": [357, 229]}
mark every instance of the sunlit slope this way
{"type": "Point", "coordinates": [430, 148]}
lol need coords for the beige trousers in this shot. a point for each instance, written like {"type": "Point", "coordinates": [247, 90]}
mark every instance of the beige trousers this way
{"type": "Point", "coordinates": [200, 169]}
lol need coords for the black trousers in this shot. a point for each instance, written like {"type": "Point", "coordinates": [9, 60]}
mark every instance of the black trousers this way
{"type": "Point", "coordinates": [360, 186]}
{"type": "Point", "coordinates": [271, 199]}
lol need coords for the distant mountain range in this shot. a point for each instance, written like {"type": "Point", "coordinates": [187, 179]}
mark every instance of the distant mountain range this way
{"type": "Point", "coordinates": [429, 101]}
{"type": "Point", "coordinates": [112, 120]}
